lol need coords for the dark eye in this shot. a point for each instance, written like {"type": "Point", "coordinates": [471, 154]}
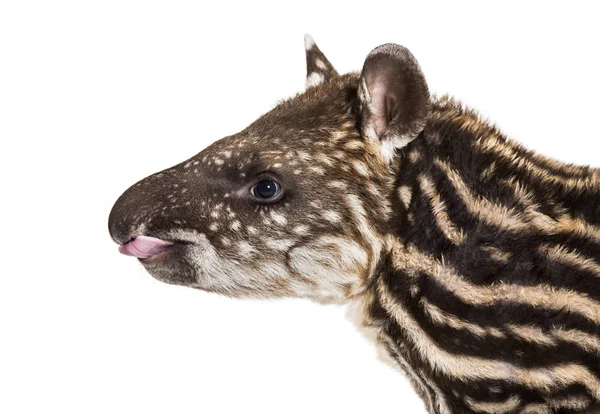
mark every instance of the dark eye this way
{"type": "Point", "coordinates": [265, 189]}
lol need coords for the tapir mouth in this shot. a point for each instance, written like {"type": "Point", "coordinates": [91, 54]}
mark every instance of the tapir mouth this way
{"type": "Point", "coordinates": [145, 247]}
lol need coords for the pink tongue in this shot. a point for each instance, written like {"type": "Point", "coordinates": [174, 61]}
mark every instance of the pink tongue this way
{"type": "Point", "coordinates": [143, 247]}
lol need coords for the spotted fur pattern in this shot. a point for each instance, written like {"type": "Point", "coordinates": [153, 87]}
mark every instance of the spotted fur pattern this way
{"type": "Point", "coordinates": [475, 262]}
{"type": "Point", "coordinates": [318, 67]}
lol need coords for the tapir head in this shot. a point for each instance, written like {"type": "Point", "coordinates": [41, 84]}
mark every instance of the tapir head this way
{"type": "Point", "coordinates": [296, 204]}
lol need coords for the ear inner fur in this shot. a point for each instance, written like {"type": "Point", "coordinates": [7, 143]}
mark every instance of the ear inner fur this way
{"type": "Point", "coordinates": [394, 98]}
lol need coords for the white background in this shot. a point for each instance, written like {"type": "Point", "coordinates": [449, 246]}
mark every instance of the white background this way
{"type": "Point", "coordinates": [96, 95]}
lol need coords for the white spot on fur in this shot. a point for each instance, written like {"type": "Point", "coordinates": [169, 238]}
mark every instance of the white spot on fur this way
{"type": "Point", "coordinates": [246, 248]}
{"type": "Point", "coordinates": [414, 156]}
{"type": "Point", "coordinates": [338, 184]}
{"type": "Point", "coordinates": [321, 64]}
{"type": "Point", "coordinates": [301, 229]}
{"type": "Point", "coordinates": [405, 195]}
{"type": "Point", "coordinates": [361, 168]}
{"type": "Point", "coordinates": [308, 42]}
{"type": "Point", "coordinates": [354, 144]}
{"type": "Point", "coordinates": [278, 218]}
{"type": "Point", "coordinates": [314, 79]}
{"type": "Point", "coordinates": [317, 170]}
{"type": "Point", "coordinates": [332, 216]}
{"type": "Point", "coordinates": [304, 156]}
{"type": "Point", "coordinates": [324, 159]}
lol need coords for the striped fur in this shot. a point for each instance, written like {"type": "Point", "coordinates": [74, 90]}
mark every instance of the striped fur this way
{"type": "Point", "coordinates": [491, 289]}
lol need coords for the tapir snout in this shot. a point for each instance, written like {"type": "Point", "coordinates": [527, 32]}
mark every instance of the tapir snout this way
{"type": "Point", "coordinates": [156, 206]}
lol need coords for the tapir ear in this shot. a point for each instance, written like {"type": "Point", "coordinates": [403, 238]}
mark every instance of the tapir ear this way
{"type": "Point", "coordinates": [394, 98]}
{"type": "Point", "coordinates": [318, 68]}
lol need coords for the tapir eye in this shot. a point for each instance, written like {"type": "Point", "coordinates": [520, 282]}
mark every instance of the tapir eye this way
{"type": "Point", "coordinates": [266, 189]}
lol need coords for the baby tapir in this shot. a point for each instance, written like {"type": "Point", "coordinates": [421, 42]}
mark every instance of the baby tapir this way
{"type": "Point", "coordinates": [475, 261]}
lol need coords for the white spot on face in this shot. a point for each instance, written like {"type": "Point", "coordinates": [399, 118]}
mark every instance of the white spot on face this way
{"type": "Point", "coordinates": [316, 204]}
{"type": "Point", "coordinates": [314, 79]}
{"type": "Point", "coordinates": [251, 230]}
{"type": "Point", "coordinates": [301, 229]}
{"type": "Point", "coordinates": [332, 216]}
{"type": "Point", "coordinates": [361, 168]}
{"type": "Point", "coordinates": [338, 184]}
{"type": "Point", "coordinates": [317, 170]}
{"type": "Point", "coordinates": [214, 227]}
{"type": "Point", "coordinates": [324, 159]}
{"type": "Point", "coordinates": [304, 156]}
{"type": "Point", "coordinates": [278, 218]}
{"type": "Point", "coordinates": [340, 155]}
{"type": "Point", "coordinates": [219, 161]}
{"type": "Point", "coordinates": [337, 135]}
{"type": "Point", "coordinates": [354, 144]}
{"type": "Point", "coordinates": [235, 226]}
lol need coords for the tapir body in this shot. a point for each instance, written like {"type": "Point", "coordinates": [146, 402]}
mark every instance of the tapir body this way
{"type": "Point", "coordinates": [475, 262]}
